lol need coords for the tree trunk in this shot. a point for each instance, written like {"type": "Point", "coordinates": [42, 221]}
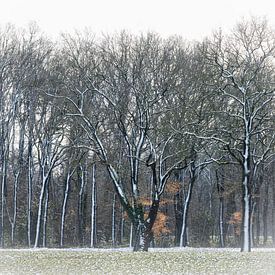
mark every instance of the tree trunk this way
{"type": "Point", "coordinates": [14, 208]}
{"type": "Point", "coordinates": [257, 221]}
{"type": "Point", "coordinates": [114, 221]}
{"type": "Point", "coordinates": [220, 188]}
{"type": "Point", "coordinates": [17, 171]}
{"type": "Point", "coordinates": [265, 213]}
{"type": "Point", "coordinates": [93, 208]}
{"type": "Point", "coordinates": [29, 208]}
{"type": "Point", "coordinates": [253, 207]}
{"type": "Point", "coordinates": [45, 217]}
{"type": "Point", "coordinates": [144, 233]}
{"type": "Point", "coordinates": [39, 213]}
{"type": "Point", "coordinates": [186, 203]}
{"type": "Point", "coordinates": [64, 206]}
{"type": "Point", "coordinates": [3, 198]}
{"type": "Point", "coordinates": [246, 202]}
{"type": "Point", "coordinates": [131, 236]}
{"type": "Point", "coordinates": [121, 226]}
{"type": "Point", "coordinates": [273, 214]}
{"type": "Point", "coordinates": [221, 220]}
{"type": "Point", "coordinates": [31, 123]}
{"type": "Point", "coordinates": [80, 206]}
{"type": "Point", "coordinates": [246, 193]}
{"type": "Point", "coordinates": [178, 209]}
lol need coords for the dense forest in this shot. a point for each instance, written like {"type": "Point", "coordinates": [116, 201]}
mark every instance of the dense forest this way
{"type": "Point", "coordinates": [137, 140]}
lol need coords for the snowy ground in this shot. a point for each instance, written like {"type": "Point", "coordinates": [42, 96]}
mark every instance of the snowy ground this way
{"type": "Point", "coordinates": [123, 261]}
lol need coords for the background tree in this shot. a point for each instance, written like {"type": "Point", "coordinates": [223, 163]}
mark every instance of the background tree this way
{"type": "Point", "coordinates": [244, 80]}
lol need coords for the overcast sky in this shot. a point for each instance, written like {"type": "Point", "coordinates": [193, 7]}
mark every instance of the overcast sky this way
{"type": "Point", "coordinates": [192, 19]}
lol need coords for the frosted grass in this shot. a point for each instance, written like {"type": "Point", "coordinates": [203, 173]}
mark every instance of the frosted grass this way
{"type": "Point", "coordinates": [123, 261]}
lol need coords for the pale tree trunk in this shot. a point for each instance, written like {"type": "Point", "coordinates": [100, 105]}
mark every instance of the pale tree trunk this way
{"type": "Point", "coordinates": [31, 123]}
{"type": "Point", "coordinates": [246, 241]}
{"type": "Point", "coordinates": [13, 223]}
{"type": "Point", "coordinates": [121, 226]}
{"type": "Point", "coordinates": [220, 188]}
{"type": "Point", "coordinates": [273, 213]}
{"type": "Point", "coordinates": [17, 173]}
{"type": "Point", "coordinates": [3, 199]}
{"type": "Point", "coordinates": [114, 221]}
{"type": "Point", "coordinates": [45, 217]}
{"type": "Point", "coordinates": [256, 220]}
{"type": "Point", "coordinates": [93, 207]}
{"type": "Point", "coordinates": [80, 205]}
{"type": "Point", "coordinates": [39, 213]}
{"type": "Point", "coordinates": [265, 213]}
{"type": "Point", "coordinates": [221, 220]}
{"type": "Point", "coordinates": [257, 225]}
{"type": "Point", "coordinates": [253, 208]}
{"type": "Point", "coordinates": [186, 203]}
{"type": "Point", "coordinates": [29, 208]}
{"type": "Point", "coordinates": [131, 236]}
{"type": "Point", "coordinates": [5, 142]}
{"type": "Point", "coordinates": [255, 216]}
{"type": "Point", "coordinates": [45, 171]}
{"type": "Point", "coordinates": [64, 206]}
{"type": "Point", "coordinates": [246, 193]}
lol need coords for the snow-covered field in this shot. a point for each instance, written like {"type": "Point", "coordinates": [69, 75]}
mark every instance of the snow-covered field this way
{"type": "Point", "coordinates": [123, 261]}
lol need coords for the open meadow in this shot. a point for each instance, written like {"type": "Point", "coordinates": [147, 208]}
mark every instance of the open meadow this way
{"type": "Point", "coordinates": [122, 261]}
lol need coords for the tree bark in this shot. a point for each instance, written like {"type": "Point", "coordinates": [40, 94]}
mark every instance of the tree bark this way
{"type": "Point", "coordinates": [220, 188]}
{"type": "Point", "coordinates": [265, 213]}
{"type": "Point", "coordinates": [114, 221]}
{"type": "Point", "coordinates": [3, 197]}
{"type": "Point", "coordinates": [80, 205]}
{"type": "Point", "coordinates": [186, 203]}
{"type": "Point", "coordinates": [39, 213]}
{"type": "Point", "coordinates": [246, 226]}
{"type": "Point", "coordinates": [273, 213]}
{"type": "Point", "coordinates": [45, 217]}
{"type": "Point", "coordinates": [221, 220]}
{"type": "Point", "coordinates": [93, 207]}
{"type": "Point", "coordinates": [64, 206]}
{"type": "Point", "coordinates": [178, 209]}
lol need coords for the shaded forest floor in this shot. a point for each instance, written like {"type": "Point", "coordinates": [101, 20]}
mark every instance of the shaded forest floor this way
{"type": "Point", "coordinates": [122, 261]}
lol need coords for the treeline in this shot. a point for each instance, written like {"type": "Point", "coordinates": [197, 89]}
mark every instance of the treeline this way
{"type": "Point", "coordinates": [137, 140]}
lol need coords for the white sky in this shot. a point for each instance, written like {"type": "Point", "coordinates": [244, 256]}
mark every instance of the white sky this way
{"type": "Point", "coordinates": [192, 19]}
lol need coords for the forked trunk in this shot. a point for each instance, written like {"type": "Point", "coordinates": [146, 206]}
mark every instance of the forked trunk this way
{"type": "Point", "coordinates": [144, 233]}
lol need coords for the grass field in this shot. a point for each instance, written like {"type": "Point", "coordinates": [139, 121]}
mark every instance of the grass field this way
{"type": "Point", "coordinates": [169, 261]}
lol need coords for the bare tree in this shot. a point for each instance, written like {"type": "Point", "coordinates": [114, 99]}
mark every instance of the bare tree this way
{"type": "Point", "coordinates": [131, 83]}
{"type": "Point", "coordinates": [245, 90]}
